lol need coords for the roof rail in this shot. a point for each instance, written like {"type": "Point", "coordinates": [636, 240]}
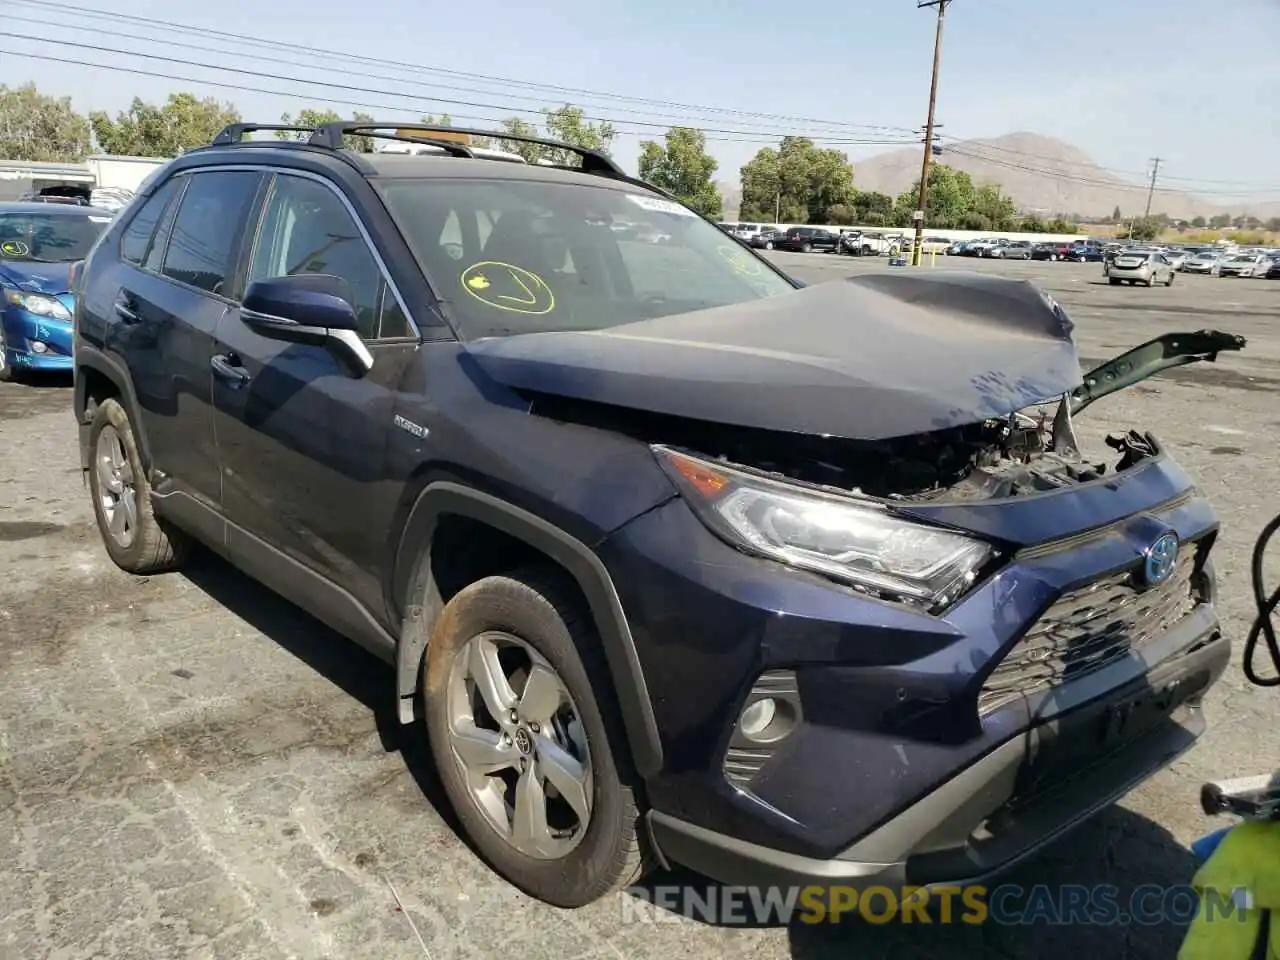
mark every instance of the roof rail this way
{"type": "Point", "coordinates": [234, 132]}
{"type": "Point", "coordinates": [331, 134]}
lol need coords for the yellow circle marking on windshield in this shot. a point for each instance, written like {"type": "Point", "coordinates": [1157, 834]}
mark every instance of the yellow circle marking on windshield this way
{"type": "Point", "coordinates": [740, 261]}
{"type": "Point", "coordinates": [14, 248]}
{"type": "Point", "coordinates": [504, 286]}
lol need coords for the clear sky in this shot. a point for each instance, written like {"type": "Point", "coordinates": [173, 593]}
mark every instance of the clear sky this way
{"type": "Point", "coordinates": [1196, 83]}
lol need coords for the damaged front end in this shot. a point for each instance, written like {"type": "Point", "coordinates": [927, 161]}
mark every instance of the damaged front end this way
{"type": "Point", "coordinates": [996, 458]}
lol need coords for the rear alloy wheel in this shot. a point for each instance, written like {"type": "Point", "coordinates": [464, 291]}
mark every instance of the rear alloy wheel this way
{"type": "Point", "coordinates": [136, 539]}
{"type": "Point", "coordinates": [530, 757]}
{"type": "Point", "coordinates": [807, 248]}
{"type": "Point", "coordinates": [768, 244]}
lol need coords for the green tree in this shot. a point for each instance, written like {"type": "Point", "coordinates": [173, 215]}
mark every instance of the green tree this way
{"type": "Point", "coordinates": [1061, 225]}
{"type": "Point", "coordinates": [1220, 222]}
{"type": "Point", "coordinates": [1145, 228]}
{"type": "Point", "coordinates": [1033, 224]}
{"type": "Point", "coordinates": [872, 204]}
{"type": "Point", "coordinates": [975, 221]}
{"type": "Point", "coordinates": [567, 125]}
{"type": "Point", "coordinates": [842, 214]}
{"type": "Point", "coordinates": [683, 168]}
{"type": "Point", "coordinates": [36, 127]}
{"type": "Point", "coordinates": [1273, 225]}
{"type": "Point", "coordinates": [315, 118]}
{"type": "Point", "coordinates": [145, 130]}
{"type": "Point", "coordinates": [1199, 223]}
{"type": "Point", "coordinates": [1115, 214]}
{"type": "Point", "coordinates": [796, 183]}
{"type": "Point", "coordinates": [531, 152]}
{"type": "Point", "coordinates": [762, 190]}
{"type": "Point", "coordinates": [950, 196]}
{"type": "Point", "coordinates": [999, 209]}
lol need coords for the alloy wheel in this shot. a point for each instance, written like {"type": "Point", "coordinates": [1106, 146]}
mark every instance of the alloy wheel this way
{"type": "Point", "coordinates": [518, 738]}
{"type": "Point", "coordinates": [117, 493]}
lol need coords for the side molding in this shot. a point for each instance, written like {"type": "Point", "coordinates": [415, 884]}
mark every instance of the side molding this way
{"type": "Point", "coordinates": [422, 603]}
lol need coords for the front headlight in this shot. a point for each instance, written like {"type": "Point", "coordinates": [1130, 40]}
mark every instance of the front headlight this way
{"type": "Point", "coordinates": [40, 304]}
{"type": "Point", "coordinates": [859, 543]}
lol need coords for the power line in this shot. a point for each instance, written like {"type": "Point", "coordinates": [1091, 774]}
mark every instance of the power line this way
{"type": "Point", "coordinates": [242, 71]}
{"type": "Point", "coordinates": [311, 52]}
{"type": "Point", "coordinates": [1073, 178]}
{"type": "Point", "coordinates": [982, 145]}
{"type": "Point", "coordinates": [433, 85]}
{"type": "Point", "coordinates": [365, 104]}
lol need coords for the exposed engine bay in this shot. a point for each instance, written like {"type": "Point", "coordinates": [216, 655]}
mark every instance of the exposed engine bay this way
{"type": "Point", "coordinates": [990, 460]}
{"type": "Point", "coordinates": [1023, 453]}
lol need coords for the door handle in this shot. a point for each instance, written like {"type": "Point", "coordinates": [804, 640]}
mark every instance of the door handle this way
{"type": "Point", "coordinates": [228, 370]}
{"type": "Point", "coordinates": [125, 312]}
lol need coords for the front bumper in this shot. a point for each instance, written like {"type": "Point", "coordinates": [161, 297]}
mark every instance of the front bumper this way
{"type": "Point", "coordinates": [35, 343]}
{"type": "Point", "coordinates": [979, 824]}
{"type": "Point", "coordinates": [890, 697]}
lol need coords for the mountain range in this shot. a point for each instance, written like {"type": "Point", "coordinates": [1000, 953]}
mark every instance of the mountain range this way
{"type": "Point", "coordinates": [1043, 175]}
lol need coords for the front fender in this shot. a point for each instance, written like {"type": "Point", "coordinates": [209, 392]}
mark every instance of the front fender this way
{"type": "Point", "coordinates": [423, 603]}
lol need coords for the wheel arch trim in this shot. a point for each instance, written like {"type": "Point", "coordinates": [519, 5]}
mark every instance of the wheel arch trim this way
{"type": "Point", "coordinates": [421, 602]}
{"type": "Point", "coordinates": [91, 357]}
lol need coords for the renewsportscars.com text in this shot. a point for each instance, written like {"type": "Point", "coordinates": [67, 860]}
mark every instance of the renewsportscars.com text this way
{"type": "Point", "coordinates": [1008, 904]}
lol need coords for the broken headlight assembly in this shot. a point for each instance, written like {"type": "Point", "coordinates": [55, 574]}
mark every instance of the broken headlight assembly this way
{"type": "Point", "coordinates": [858, 543]}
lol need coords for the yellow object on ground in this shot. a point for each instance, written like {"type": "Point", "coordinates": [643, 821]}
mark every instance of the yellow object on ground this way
{"type": "Point", "coordinates": [1247, 859]}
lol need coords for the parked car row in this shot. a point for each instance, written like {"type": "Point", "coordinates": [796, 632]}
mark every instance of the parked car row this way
{"type": "Point", "coordinates": [1206, 261]}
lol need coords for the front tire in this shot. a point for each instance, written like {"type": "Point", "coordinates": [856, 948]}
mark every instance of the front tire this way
{"type": "Point", "coordinates": [136, 539]}
{"type": "Point", "coordinates": [527, 741]}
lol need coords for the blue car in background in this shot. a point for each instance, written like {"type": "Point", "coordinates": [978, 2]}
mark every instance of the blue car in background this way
{"type": "Point", "coordinates": [39, 243]}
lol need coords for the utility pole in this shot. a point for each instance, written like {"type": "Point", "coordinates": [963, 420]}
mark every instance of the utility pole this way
{"type": "Point", "coordinates": [918, 216]}
{"type": "Point", "coordinates": [1155, 171]}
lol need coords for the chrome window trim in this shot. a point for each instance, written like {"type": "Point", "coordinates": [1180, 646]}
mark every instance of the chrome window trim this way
{"type": "Point", "coordinates": [351, 211]}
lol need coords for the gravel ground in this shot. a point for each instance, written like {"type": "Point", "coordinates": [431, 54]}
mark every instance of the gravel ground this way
{"type": "Point", "coordinates": [191, 767]}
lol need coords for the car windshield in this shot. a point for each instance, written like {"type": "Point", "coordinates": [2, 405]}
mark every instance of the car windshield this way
{"type": "Point", "coordinates": [510, 256]}
{"type": "Point", "coordinates": [49, 238]}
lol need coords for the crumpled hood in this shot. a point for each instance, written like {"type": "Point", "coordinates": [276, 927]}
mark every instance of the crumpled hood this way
{"type": "Point", "coordinates": [870, 357]}
{"type": "Point", "coordinates": [35, 277]}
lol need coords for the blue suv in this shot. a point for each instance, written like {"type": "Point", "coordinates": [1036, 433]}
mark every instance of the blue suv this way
{"type": "Point", "coordinates": [678, 560]}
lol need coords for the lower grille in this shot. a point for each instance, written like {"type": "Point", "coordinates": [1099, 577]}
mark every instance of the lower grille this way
{"type": "Point", "coordinates": [1089, 628]}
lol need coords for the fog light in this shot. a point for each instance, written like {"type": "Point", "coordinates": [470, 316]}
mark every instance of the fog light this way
{"type": "Point", "coordinates": [757, 717]}
{"type": "Point", "coordinates": [38, 346]}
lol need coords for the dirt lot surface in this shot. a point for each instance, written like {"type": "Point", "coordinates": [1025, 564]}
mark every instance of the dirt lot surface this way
{"type": "Point", "coordinates": [191, 767]}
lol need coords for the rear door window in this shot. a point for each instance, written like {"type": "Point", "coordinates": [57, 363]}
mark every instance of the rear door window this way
{"type": "Point", "coordinates": [136, 240]}
{"type": "Point", "coordinates": [206, 233]}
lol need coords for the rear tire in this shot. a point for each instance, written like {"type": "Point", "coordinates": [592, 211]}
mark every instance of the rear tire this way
{"type": "Point", "coordinates": [573, 865]}
{"type": "Point", "coordinates": [807, 248]}
{"type": "Point", "coordinates": [135, 538]}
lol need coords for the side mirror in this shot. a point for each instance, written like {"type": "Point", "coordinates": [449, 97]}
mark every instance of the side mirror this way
{"type": "Point", "coordinates": [310, 308]}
